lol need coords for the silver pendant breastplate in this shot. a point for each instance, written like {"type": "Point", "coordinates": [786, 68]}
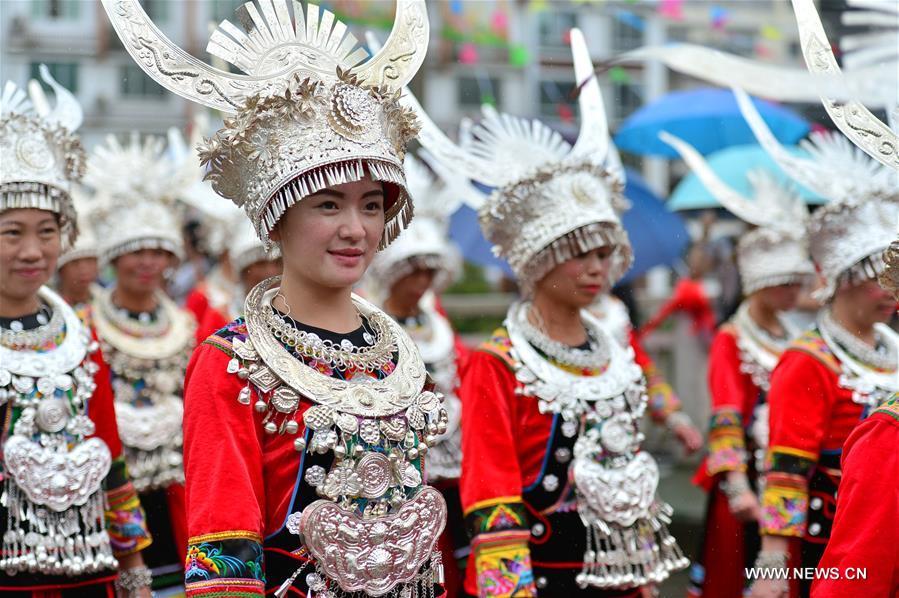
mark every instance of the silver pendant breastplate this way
{"type": "Point", "coordinates": [147, 380]}
{"type": "Point", "coordinates": [615, 482]}
{"type": "Point", "coordinates": [376, 526]}
{"type": "Point", "coordinates": [52, 487]}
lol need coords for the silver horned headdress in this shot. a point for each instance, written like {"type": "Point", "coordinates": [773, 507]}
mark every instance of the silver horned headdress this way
{"type": "Point", "coordinates": [552, 200]}
{"type": "Point", "coordinates": [425, 243]}
{"type": "Point", "coordinates": [776, 252]}
{"type": "Point", "coordinates": [40, 155]}
{"type": "Point", "coordinates": [134, 187]}
{"type": "Point", "coordinates": [308, 112]}
{"type": "Point", "coordinates": [848, 235]}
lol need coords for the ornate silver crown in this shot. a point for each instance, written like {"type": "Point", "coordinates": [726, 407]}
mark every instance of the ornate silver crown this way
{"type": "Point", "coordinates": [307, 114]}
{"type": "Point", "coordinates": [859, 221]}
{"type": "Point", "coordinates": [552, 200]}
{"type": "Point", "coordinates": [775, 253]}
{"type": "Point", "coordinates": [40, 155]}
{"type": "Point", "coordinates": [134, 186]}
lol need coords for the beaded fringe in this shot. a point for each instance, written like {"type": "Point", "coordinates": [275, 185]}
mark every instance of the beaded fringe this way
{"type": "Point", "coordinates": [337, 174]}
{"type": "Point", "coordinates": [39, 540]}
{"type": "Point", "coordinates": [577, 242]}
{"type": "Point", "coordinates": [756, 283]}
{"type": "Point", "coordinates": [643, 553]}
{"type": "Point", "coordinates": [39, 196]}
{"type": "Point", "coordinates": [108, 255]}
{"type": "Point", "coordinates": [869, 268]}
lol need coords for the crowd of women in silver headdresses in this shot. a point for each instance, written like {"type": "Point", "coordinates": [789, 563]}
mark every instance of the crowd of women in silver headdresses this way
{"type": "Point", "coordinates": [303, 420]}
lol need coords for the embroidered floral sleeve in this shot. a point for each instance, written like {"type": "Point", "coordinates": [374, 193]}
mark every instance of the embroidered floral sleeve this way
{"type": "Point", "coordinates": [224, 564]}
{"type": "Point", "coordinates": [785, 498]}
{"type": "Point", "coordinates": [499, 532]}
{"type": "Point", "coordinates": [126, 523]}
{"type": "Point", "coordinates": [727, 449]}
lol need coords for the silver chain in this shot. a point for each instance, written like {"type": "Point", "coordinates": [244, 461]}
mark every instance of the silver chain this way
{"type": "Point", "coordinates": [882, 357]}
{"type": "Point", "coordinates": [596, 357]}
{"type": "Point", "coordinates": [342, 356]}
{"type": "Point", "coordinates": [36, 337]}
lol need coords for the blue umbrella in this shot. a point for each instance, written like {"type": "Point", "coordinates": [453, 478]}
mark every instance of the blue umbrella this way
{"type": "Point", "coordinates": [657, 236]}
{"type": "Point", "coordinates": [731, 165]}
{"type": "Point", "coordinates": [657, 239]}
{"type": "Point", "coordinates": [708, 119]}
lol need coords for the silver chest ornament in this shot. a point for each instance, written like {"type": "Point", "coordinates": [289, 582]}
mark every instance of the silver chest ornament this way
{"type": "Point", "coordinates": [52, 489]}
{"type": "Point", "coordinates": [147, 382]}
{"type": "Point", "coordinates": [376, 526]}
{"type": "Point", "coordinates": [628, 543]}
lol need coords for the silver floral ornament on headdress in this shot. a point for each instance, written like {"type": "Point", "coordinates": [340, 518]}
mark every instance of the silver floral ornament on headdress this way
{"type": "Point", "coordinates": [134, 187]}
{"type": "Point", "coordinates": [308, 113]}
{"type": "Point", "coordinates": [40, 155]}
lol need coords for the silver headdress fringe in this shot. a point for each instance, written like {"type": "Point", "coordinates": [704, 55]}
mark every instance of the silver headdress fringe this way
{"type": "Point", "coordinates": [575, 243]}
{"type": "Point", "coordinates": [397, 215]}
{"type": "Point", "coordinates": [41, 156]}
{"type": "Point", "coordinates": [40, 196]}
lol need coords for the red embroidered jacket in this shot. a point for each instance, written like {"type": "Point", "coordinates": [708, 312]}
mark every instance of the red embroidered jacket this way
{"type": "Point", "coordinates": [811, 417]}
{"type": "Point", "coordinates": [865, 533]}
{"type": "Point", "coordinates": [504, 440]}
{"type": "Point", "coordinates": [734, 396]}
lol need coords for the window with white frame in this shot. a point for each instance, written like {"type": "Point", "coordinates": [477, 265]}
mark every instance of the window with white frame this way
{"type": "Point", "coordinates": [627, 33]}
{"type": "Point", "coordinates": [627, 97]}
{"type": "Point", "coordinates": [472, 91]}
{"type": "Point", "coordinates": [553, 27]}
{"type": "Point", "coordinates": [556, 99]}
{"type": "Point", "coordinates": [65, 73]}
{"type": "Point", "coordinates": [67, 10]}
{"type": "Point", "coordinates": [135, 84]}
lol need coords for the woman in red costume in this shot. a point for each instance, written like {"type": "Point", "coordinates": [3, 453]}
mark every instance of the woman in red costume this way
{"type": "Point", "coordinates": [146, 338]}
{"type": "Point", "coordinates": [558, 497]}
{"type": "Point", "coordinates": [864, 542]}
{"type": "Point", "coordinates": [774, 265]}
{"type": "Point", "coordinates": [406, 279]}
{"type": "Point", "coordinates": [70, 517]}
{"type": "Point", "coordinates": [308, 420]}
{"type": "Point", "coordinates": [835, 374]}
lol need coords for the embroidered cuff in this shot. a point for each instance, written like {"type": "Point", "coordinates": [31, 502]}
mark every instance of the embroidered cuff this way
{"type": "Point", "coordinates": [785, 498]}
{"type": "Point", "coordinates": [662, 399]}
{"type": "Point", "coordinates": [224, 564]}
{"type": "Point", "coordinates": [503, 566]}
{"type": "Point", "coordinates": [501, 514]}
{"type": "Point", "coordinates": [126, 522]}
{"type": "Point", "coordinates": [727, 447]}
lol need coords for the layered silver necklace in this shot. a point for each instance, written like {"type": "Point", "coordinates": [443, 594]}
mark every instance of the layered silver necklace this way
{"type": "Point", "coordinates": [148, 361]}
{"type": "Point", "coordinates": [759, 349]}
{"type": "Point", "coordinates": [615, 482]}
{"type": "Point", "coordinates": [596, 357]}
{"type": "Point", "coordinates": [870, 372]}
{"type": "Point", "coordinates": [344, 355]}
{"type": "Point", "coordinates": [50, 329]}
{"type": "Point", "coordinates": [375, 507]}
